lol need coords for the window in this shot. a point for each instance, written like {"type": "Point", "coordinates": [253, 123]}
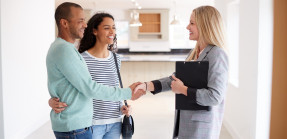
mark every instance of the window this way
{"type": "Point", "coordinates": [233, 41]}
{"type": "Point", "coordinates": [179, 37]}
{"type": "Point", "coordinates": [122, 34]}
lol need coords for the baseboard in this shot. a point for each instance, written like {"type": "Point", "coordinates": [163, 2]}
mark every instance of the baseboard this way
{"type": "Point", "coordinates": [234, 134]}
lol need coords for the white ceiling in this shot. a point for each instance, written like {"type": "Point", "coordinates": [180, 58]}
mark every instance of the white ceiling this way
{"type": "Point", "coordinates": [127, 4]}
{"type": "Point", "coordinates": [120, 8]}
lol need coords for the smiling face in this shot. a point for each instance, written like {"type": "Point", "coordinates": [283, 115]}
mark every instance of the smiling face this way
{"type": "Point", "coordinates": [192, 27]}
{"type": "Point", "coordinates": [76, 23]}
{"type": "Point", "coordinates": [106, 31]}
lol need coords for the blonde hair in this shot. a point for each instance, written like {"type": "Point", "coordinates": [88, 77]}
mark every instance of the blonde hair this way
{"type": "Point", "coordinates": [210, 28]}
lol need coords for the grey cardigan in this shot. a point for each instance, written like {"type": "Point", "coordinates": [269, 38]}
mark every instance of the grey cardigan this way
{"type": "Point", "coordinates": [202, 123]}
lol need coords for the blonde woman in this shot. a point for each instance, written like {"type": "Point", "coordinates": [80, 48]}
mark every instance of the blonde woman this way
{"type": "Point", "coordinates": [206, 28]}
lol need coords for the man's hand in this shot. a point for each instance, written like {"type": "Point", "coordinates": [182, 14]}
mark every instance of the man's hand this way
{"type": "Point", "coordinates": [56, 105]}
{"type": "Point", "coordinates": [139, 93]}
{"type": "Point", "coordinates": [141, 86]}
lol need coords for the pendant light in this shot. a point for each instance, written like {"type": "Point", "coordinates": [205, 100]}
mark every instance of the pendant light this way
{"type": "Point", "coordinates": [135, 22]}
{"type": "Point", "coordinates": [174, 21]}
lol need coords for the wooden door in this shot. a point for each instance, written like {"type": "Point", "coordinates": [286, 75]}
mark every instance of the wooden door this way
{"type": "Point", "coordinates": [278, 125]}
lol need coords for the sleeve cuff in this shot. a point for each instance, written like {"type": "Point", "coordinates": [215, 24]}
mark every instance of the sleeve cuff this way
{"type": "Point", "coordinates": [157, 87]}
{"type": "Point", "coordinates": [191, 93]}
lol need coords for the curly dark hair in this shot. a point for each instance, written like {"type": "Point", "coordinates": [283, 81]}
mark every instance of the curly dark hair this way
{"type": "Point", "coordinates": [89, 39]}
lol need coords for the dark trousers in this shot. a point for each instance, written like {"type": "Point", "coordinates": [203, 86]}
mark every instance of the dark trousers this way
{"type": "Point", "coordinates": [84, 133]}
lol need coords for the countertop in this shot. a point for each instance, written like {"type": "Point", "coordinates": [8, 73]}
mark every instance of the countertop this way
{"type": "Point", "coordinates": [166, 58]}
{"type": "Point", "coordinates": [173, 55]}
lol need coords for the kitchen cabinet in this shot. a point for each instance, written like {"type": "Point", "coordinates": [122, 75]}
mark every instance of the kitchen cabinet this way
{"type": "Point", "coordinates": [154, 25]}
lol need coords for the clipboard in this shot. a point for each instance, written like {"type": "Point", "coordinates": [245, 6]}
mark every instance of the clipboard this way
{"type": "Point", "coordinates": [193, 74]}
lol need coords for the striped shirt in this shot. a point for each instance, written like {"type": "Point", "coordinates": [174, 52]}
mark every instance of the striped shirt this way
{"type": "Point", "coordinates": [103, 70]}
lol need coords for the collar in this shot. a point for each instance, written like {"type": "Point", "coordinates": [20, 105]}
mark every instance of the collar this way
{"type": "Point", "coordinates": [204, 52]}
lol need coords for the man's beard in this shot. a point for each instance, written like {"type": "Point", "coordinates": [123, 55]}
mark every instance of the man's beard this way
{"type": "Point", "coordinates": [75, 34]}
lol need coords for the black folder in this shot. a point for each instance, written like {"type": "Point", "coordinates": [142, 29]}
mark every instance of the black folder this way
{"type": "Point", "coordinates": [193, 74]}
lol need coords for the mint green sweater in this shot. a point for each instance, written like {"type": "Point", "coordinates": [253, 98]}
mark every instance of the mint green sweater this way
{"type": "Point", "coordinates": [70, 80]}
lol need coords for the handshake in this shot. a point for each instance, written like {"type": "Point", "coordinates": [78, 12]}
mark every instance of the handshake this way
{"type": "Point", "coordinates": [138, 89]}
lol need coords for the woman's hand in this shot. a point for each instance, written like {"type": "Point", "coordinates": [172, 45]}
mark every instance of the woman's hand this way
{"type": "Point", "coordinates": [141, 86]}
{"type": "Point", "coordinates": [178, 87]}
{"type": "Point", "coordinates": [126, 110]}
{"type": "Point", "coordinates": [56, 105]}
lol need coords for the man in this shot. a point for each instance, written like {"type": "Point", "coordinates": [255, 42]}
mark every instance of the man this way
{"type": "Point", "coordinates": [70, 80]}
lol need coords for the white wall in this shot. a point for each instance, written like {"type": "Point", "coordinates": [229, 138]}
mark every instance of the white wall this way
{"type": "Point", "coordinates": [1, 96]}
{"type": "Point", "coordinates": [248, 104]}
{"type": "Point", "coordinates": [265, 66]}
{"type": "Point", "coordinates": [27, 30]}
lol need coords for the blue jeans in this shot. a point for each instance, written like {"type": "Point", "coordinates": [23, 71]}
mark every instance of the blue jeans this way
{"type": "Point", "coordinates": [107, 131]}
{"type": "Point", "coordinates": [84, 133]}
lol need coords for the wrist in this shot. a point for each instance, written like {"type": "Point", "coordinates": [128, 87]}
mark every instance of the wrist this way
{"type": "Point", "coordinates": [150, 86]}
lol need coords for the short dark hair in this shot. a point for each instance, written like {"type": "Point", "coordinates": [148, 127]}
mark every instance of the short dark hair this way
{"type": "Point", "coordinates": [63, 11]}
{"type": "Point", "coordinates": [89, 39]}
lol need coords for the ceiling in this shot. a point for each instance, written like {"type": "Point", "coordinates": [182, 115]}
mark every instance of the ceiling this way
{"type": "Point", "coordinates": [120, 8]}
{"type": "Point", "coordinates": [127, 4]}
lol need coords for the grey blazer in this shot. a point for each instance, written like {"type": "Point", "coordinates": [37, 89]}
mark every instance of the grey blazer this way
{"type": "Point", "coordinates": [203, 124]}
